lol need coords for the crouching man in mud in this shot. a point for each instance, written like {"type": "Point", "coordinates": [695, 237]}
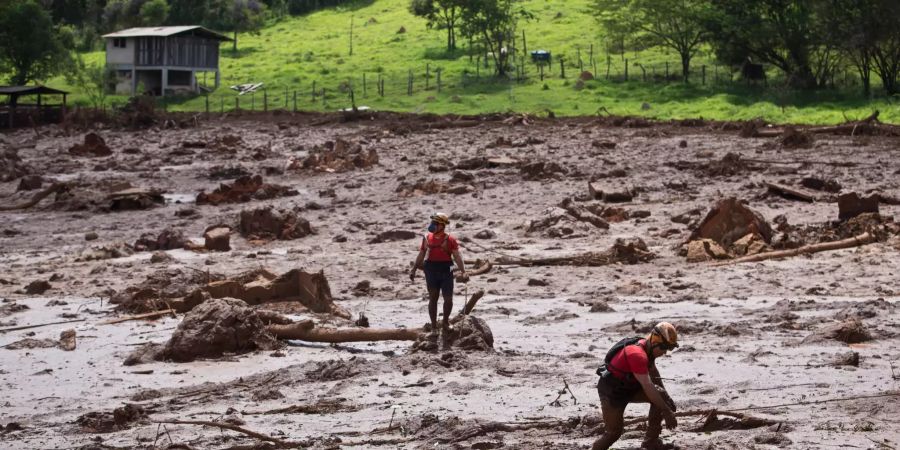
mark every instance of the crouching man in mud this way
{"type": "Point", "coordinates": [629, 375]}
{"type": "Point", "coordinates": [435, 258]}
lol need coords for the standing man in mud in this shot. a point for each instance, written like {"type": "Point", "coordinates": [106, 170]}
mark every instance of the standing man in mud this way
{"type": "Point", "coordinates": [435, 254]}
{"type": "Point", "coordinates": [629, 375]}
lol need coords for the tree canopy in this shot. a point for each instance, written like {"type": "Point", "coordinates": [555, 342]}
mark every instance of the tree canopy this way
{"type": "Point", "coordinates": [31, 47]}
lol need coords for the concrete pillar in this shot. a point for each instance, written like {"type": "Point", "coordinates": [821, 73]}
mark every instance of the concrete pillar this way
{"type": "Point", "coordinates": [133, 82]}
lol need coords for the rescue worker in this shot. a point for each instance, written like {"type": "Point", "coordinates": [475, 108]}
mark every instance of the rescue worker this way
{"type": "Point", "coordinates": [435, 254]}
{"type": "Point", "coordinates": [630, 375]}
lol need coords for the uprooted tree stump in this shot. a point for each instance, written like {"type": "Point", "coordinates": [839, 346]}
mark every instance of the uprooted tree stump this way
{"type": "Point", "coordinates": [271, 223]}
{"type": "Point", "coordinates": [623, 251]}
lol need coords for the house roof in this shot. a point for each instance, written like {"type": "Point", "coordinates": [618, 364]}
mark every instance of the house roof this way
{"type": "Point", "coordinates": [165, 31]}
{"type": "Point", "coordinates": [29, 90]}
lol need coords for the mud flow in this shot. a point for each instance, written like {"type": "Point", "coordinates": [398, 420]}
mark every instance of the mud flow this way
{"type": "Point", "coordinates": [243, 281]}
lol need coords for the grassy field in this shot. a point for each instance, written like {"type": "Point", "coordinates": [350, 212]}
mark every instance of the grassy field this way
{"type": "Point", "coordinates": [293, 54]}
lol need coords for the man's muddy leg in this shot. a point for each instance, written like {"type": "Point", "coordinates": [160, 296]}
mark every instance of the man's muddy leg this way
{"type": "Point", "coordinates": [612, 424]}
{"type": "Point", "coordinates": [433, 295]}
{"type": "Point", "coordinates": [448, 307]}
{"type": "Point", "coordinates": [654, 421]}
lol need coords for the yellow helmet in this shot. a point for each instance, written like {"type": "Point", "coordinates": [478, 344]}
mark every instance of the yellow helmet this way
{"type": "Point", "coordinates": [663, 335]}
{"type": "Point", "coordinates": [440, 218]}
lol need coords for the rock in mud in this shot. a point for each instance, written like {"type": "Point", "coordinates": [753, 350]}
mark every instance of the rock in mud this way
{"type": "Point", "coordinates": [751, 244]}
{"type": "Point", "coordinates": [168, 239]}
{"type": "Point", "coordinates": [609, 194]}
{"type": "Point", "coordinates": [338, 156]}
{"type": "Point", "coordinates": [217, 238]}
{"type": "Point", "coordinates": [542, 170]}
{"type": "Point", "coordinates": [30, 183]}
{"type": "Point", "coordinates": [68, 340]}
{"type": "Point", "coordinates": [110, 251]}
{"type": "Point", "coordinates": [11, 166]}
{"type": "Point", "coordinates": [270, 223]}
{"type": "Point", "coordinates": [93, 146]}
{"type": "Point", "coordinates": [215, 327]}
{"type": "Point", "coordinates": [134, 199]}
{"type": "Point", "coordinates": [866, 310]}
{"type": "Point", "coordinates": [730, 220]}
{"type": "Point", "coordinates": [244, 189]}
{"type": "Point", "coordinates": [393, 235]}
{"type": "Point", "coordinates": [37, 287]}
{"type": "Point", "coordinates": [794, 138]}
{"type": "Point", "coordinates": [821, 184]}
{"type": "Point", "coordinates": [161, 257]}
{"type": "Point", "coordinates": [849, 331]}
{"type": "Point", "coordinates": [121, 418]}
{"type": "Point", "coordinates": [851, 205]}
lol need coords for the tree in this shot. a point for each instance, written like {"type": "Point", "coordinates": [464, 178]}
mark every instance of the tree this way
{"type": "Point", "coordinates": [92, 81]}
{"type": "Point", "coordinates": [238, 16]}
{"type": "Point", "coordinates": [783, 33]}
{"type": "Point", "coordinates": [440, 14]}
{"type": "Point", "coordinates": [676, 24]}
{"type": "Point", "coordinates": [494, 23]}
{"type": "Point", "coordinates": [154, 13]}
{"type": "Point", "coordinates": [30, 45]}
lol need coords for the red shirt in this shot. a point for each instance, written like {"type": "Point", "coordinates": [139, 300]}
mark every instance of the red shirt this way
{"type": "Point", "coordinates": [632, 359]}
{"type": "Point", "coordinates": [437, 247]}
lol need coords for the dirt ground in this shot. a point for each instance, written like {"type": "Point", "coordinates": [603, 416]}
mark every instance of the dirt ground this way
{"type": "Point", "coordinates": [751, 333]}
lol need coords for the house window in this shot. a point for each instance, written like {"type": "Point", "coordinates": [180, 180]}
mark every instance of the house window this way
{"type": "Point", "coordinates": [119, 43]}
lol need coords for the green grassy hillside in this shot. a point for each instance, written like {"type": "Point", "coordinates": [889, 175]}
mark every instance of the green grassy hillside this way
{"type": "Point", "coordinates": [293, 54]}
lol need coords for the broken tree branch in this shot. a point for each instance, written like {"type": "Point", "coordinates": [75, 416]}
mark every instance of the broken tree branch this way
{"type": "Point", "coordinates": [26, 327]}
{"type": "Point", "coordinates": [306, 332]}
{"type": "Point", "coordinates": [228, 426]}
{"type": "Point", "coordinates": [148, 315]}
{"type": "Point", "coordinates": [791, 193]}
{"type": "Point", "coordinates": [56, 187]}
{"type": "Point", "coordinates": [856, 241]}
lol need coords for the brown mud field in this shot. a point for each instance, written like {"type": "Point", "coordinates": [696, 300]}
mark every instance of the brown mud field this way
{"type": "Point", "coordinates": [194, 270]}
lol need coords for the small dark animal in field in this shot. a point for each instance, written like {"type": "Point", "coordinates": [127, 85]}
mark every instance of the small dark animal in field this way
{"type": "Point", "coordinates": [753, 72]}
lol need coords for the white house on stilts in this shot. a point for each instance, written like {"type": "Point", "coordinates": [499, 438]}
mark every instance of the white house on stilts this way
{"type": "Point", "coordinates": [163, 60]}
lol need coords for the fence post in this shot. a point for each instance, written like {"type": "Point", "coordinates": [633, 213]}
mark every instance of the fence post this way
{"type": "Point", "coordinates": [667, 71]}
{"type": "Point", "coordinates": [626, 69]}
{"type": "Point", "coordinates": [608, 64]}
{"type": "Point", "coordinates": [285, 98]}
{"type": "Point", "coordinates": [323, 96]}
{"type": "Point", "coordinates": [591, 59]}
{"type": "Point", "coordinates": [221, 105]}
{"type": "Point", "coordinates": [427, 74]}
{"type": "Point", "coordinates": [439, 80]}
{"type": "Point", "coordinates": [703, 71]}
{"type": "Point", "coordinates": [237, 103]}
{"type": "Point", "coordinates": [524, 43]}
{"type": "Point", "coordinates": [580, 62]}
{"type": "Point", "coordinates": [314, 91]}
{"type": "Point", "coordinates": [295, 100]}
{"type": "Point", "coordinates": [265, 101]}
{"type": "Point", "coordinates": [562, 67]}
{"type": "Point", "coordinates": [542, 72]}
{"type": "Point", "coordinates": [207, 103]}
{"type": "Point", "coordinates": [364, 85]}
{"type": "Point", "coordinates": [409, 83]}
{"type": "Point", "coordinates": [717, 74]}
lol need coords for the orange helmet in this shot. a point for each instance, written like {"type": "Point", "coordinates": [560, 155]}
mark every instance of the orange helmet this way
{"type": "Point", "coordinates": [663, 335]}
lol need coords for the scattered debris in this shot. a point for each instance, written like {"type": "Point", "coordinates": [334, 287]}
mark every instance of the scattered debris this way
{"type": "Point", "coordinates": [121, 418]}
{"type": "Point", "coordinates": [791, 193]}
{"type": "Point", "coordinates": [609, 194]}
{"type": "Point", "coordinates": [93, 146]}
{"type": "Point", "coordinates": [820, 184]}
{"type": "Point", "coordinates": [850, 331]}
{"type": "Point", "coordinates": [623, 251]}
{"type": "Point", "coordinates": [134, 199]}
{"type": "Point", "coordinates": [37, 287]}
{"type": "Point", "coordinates": [161, 288]}
{"type": "Point", "coordinates": [542, 170]}
{"type": "Point", "coordinates": [703, 250]}
{"type": "Point", "coordinates": [795, 138]}
{"type": "Point", "coordinates": [730, 220]}
{"type": "Point", "coordinates": [393, 235]}
{"type": "Point", "coordinates": [11, 166]}
{"type": "Point", "coordinates": [244, 189]}
{"type": "Point", "coordinates": [67, 340]}
{"type": "Point", "coordinates": [269, 223]}
{"type": "Point", "coordinates": [30, 183]}
{"type": "Point", "coordinates": [338, 156]}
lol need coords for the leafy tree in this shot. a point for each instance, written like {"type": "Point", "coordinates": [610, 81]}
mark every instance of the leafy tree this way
{"type": "Point", "coordinates": [154, 12]}
{"type": "Point", "coordinates": [494, 23]}
{"type": "Point", "coordinates": [30, 45]}
{"type": "Point", "coordinates": [676, 24]}
{"type": "Point", "coordinates": [784, 33]}
{"type": "Point", "coordinates": [440, 14]}
{"type": "Point", "coordinates": [238, 16]}
{"type": "Point", "coordinates": [190, 12]}
{"type": "Point", "coordinates": [91, 80]}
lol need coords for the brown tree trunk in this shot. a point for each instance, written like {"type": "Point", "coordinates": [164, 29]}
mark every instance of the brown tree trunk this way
{"type": "Point", "coordinates": [304, 332]}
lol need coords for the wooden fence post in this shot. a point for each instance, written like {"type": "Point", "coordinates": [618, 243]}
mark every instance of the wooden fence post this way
{"type": "Point", "coordinates": [237, 103]}
{"type": "Point", "coordinates": [314, 91]}
{"type": "Point", "coordinates": [626, 69]}
{"type": "Point", "coordinates": [703, 71]}
{"type": "Point", "coordinates": [542, 71]}
{"type": "Point", "coordinates": [364, 85]}
{"type": "Point", "coordinates": [207, 103]}
{"type": "Point", "coordinates": [427, 74]}
{"type": "Point", "coordinates": [253, 101]}
{"type": "Point", "coordinates": [285, 98]}
{"type": "Point", "coordinates": [667, 71]}
{"type": "Point", "coordinates": [222, 105]}
{"type": "Point", "coordinates": [524, 43]}
{"type": "Point", "coordinates": [562, 67]}
{"type": "Point", "coordinates": [265, 101]}
{"type": "Point", "coordinates": [323, 96]}
{"type": "Point", "coordinates": [439, 79]}
{"type": "Point", "coordinates": [409, 83]}
{"type": "Point", "coordinates": [295, 100]}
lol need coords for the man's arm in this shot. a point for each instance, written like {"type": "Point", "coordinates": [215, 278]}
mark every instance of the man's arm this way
{"type": "Point", "coordinates": [460, 264]}
{"type": "Point", "coordinates": [657, 399]}
{"type": "Point", "coordinates": [419, 260]}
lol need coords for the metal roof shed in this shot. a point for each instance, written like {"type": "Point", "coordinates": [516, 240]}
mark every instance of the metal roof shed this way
{"type": "Point", "coordinates": [43, 111]}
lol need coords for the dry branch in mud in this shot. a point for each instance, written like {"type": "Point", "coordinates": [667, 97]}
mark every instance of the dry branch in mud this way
{"type": "Point", "coordinates": [855, 241]}
{"type": "Point", "coordinates": [36, 198]}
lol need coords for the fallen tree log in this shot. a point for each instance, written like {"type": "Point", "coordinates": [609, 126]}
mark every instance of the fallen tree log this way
{"type": "Point", "coordinates": [856, 241]}
{"type": "Point", "coordinates": [307, 331]}
{"type": "Point", "coordinates": [148, 315]}
{"type": "Point", "coordinates": [791, 193]}
{"type": "Point", "coordinates": [869, 125]}
{"type": "Point", "coordinates": [227, 426]}
{"type": "Point", "coordinates": [56, 187]}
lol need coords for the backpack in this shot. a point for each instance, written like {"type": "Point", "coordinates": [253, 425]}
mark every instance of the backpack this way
{"type": "Point", "coordinates": [445, 246]}
{"type": "Point", "coordinates": [616, 348]}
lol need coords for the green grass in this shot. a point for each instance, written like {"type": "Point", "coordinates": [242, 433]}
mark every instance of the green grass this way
{"type": "Point", "coordinates": [293, 54]}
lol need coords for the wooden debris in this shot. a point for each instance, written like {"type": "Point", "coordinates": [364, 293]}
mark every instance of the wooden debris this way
{"type": "Point", "coordinates": [148, 315]}
{"type": "Point", "coordinates": [27, 327]}
{"type": "Point", "coordinates": [792, 193]}
{"type": "Point", "coordinates": [856, 241]}
{"type": "Point", "coordinates": [56, 187]}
